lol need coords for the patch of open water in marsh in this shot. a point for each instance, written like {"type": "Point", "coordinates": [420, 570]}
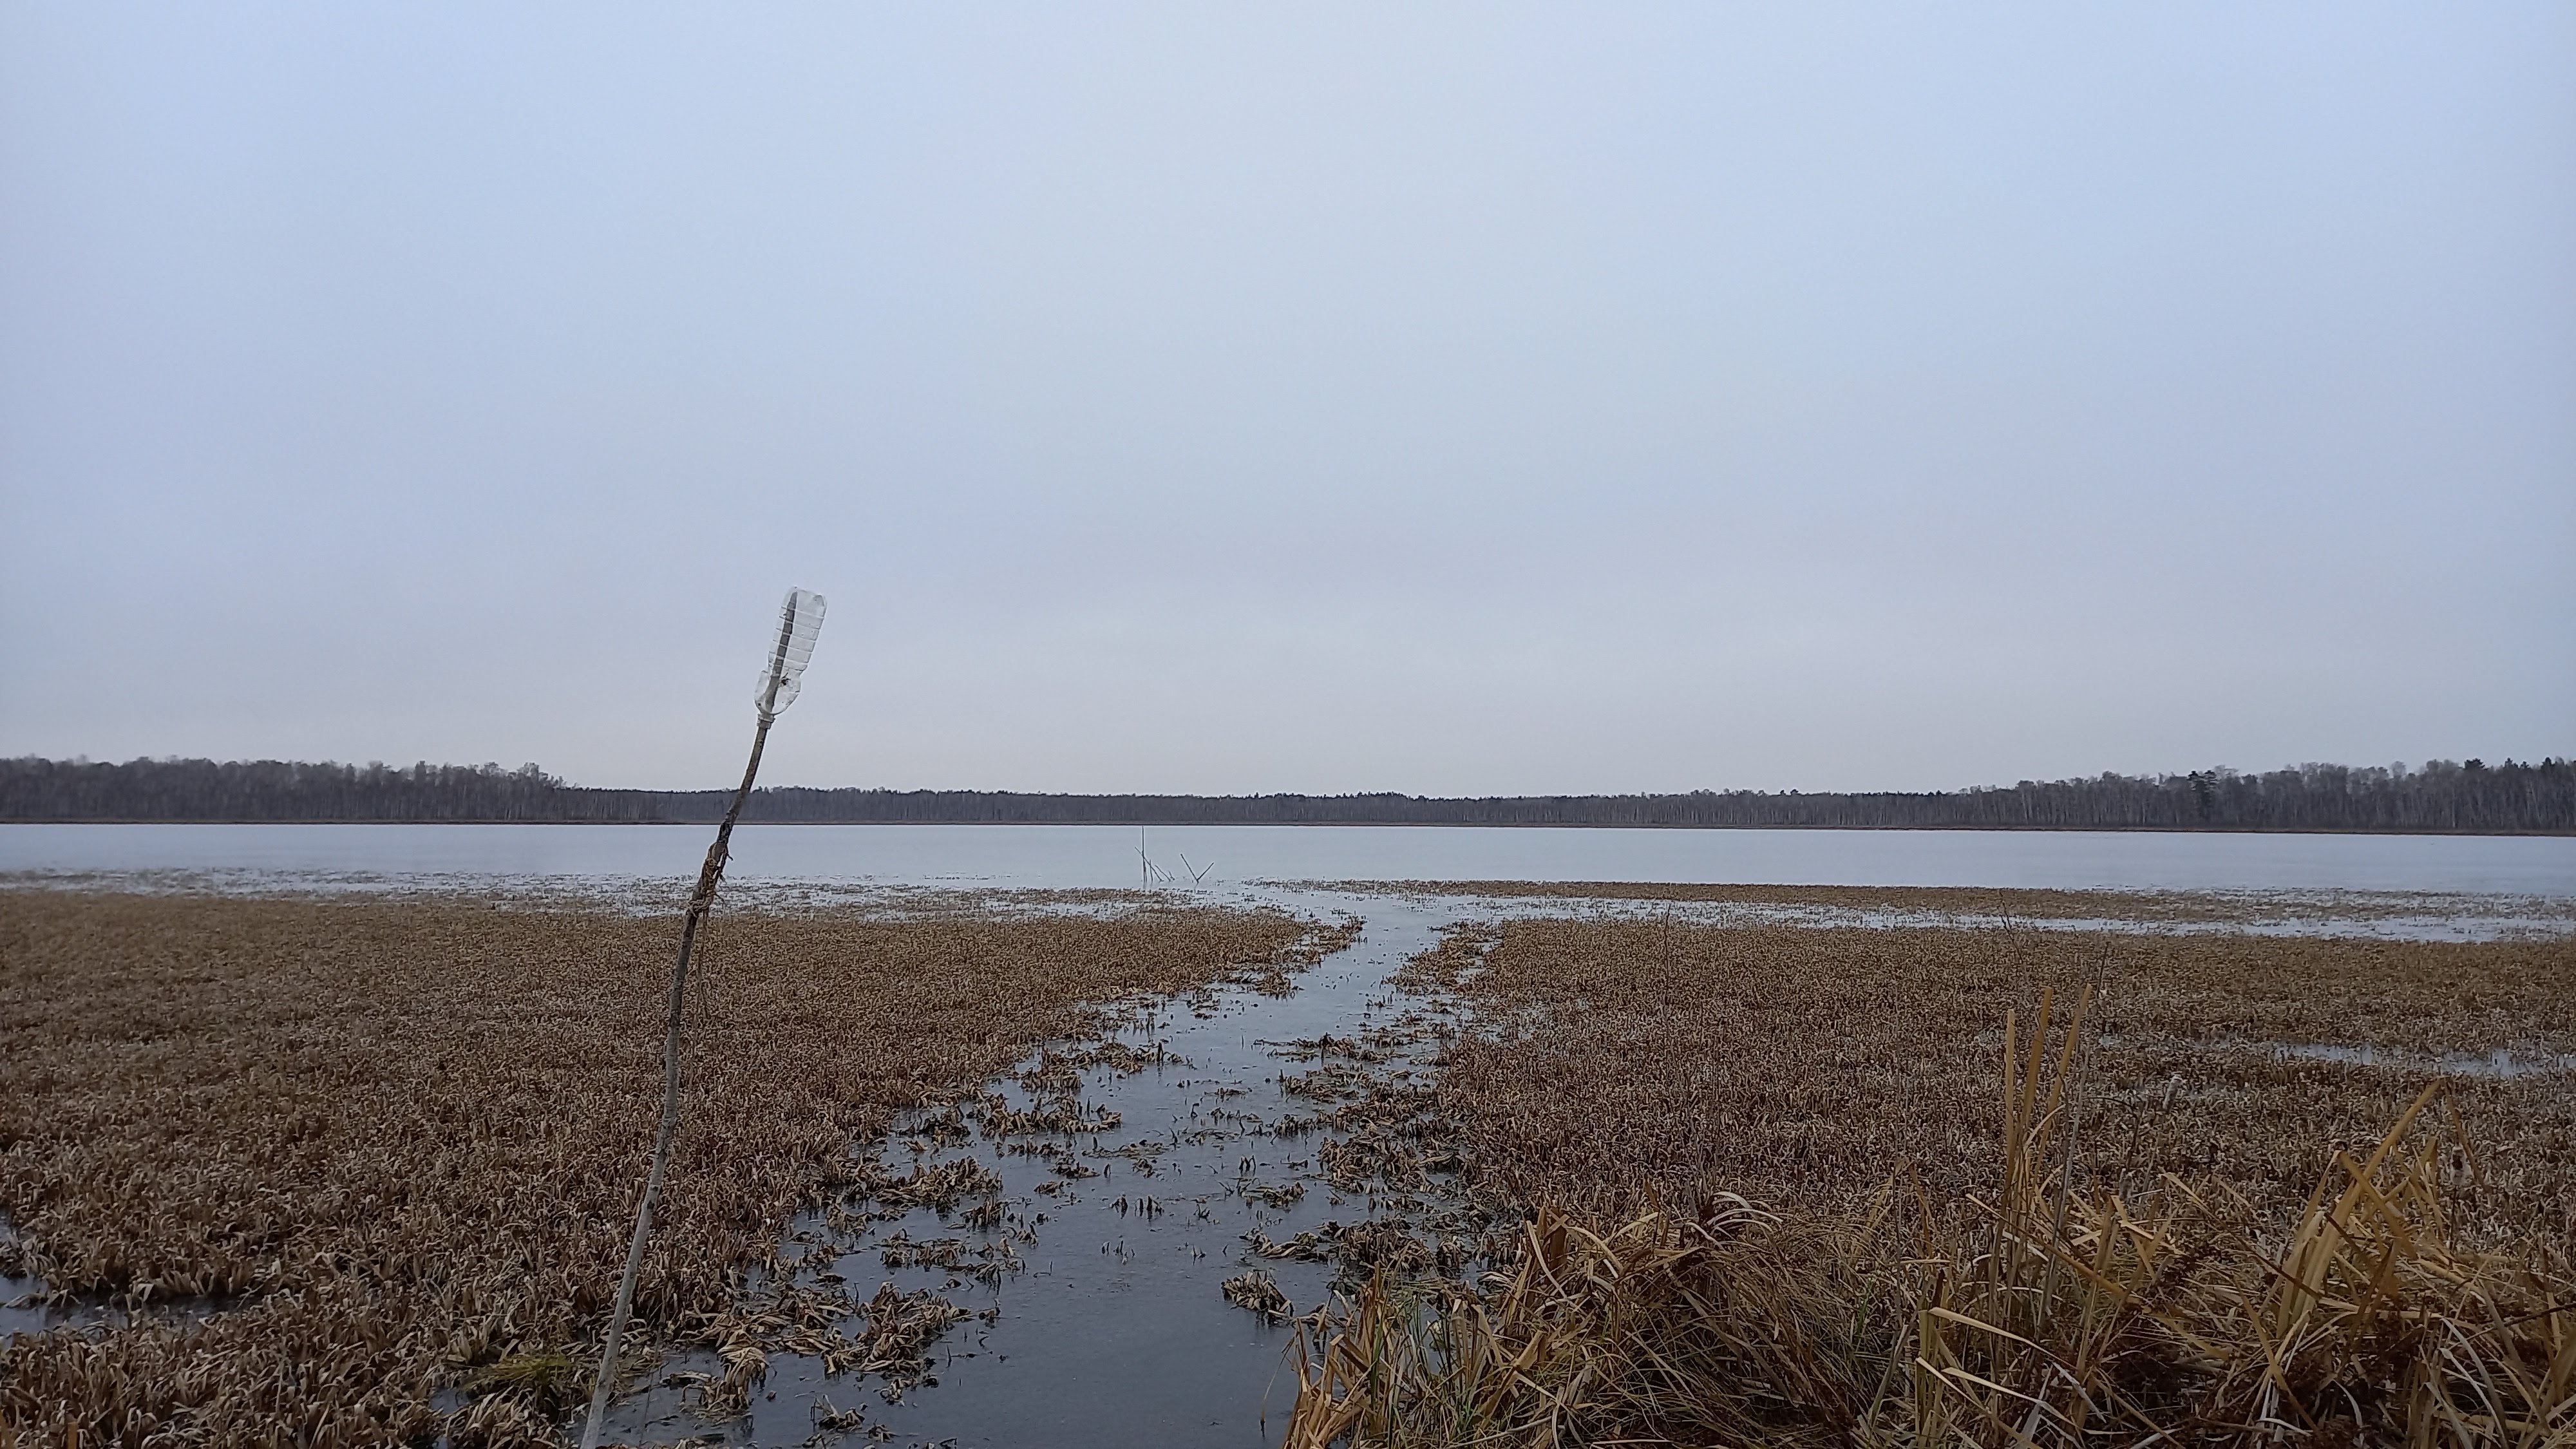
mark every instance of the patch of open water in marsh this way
{"type": "Point", "coordinates": [2494, 1063]}
{"type": "Point", "coordinates": [28, 1306]}
{"type": "Point", "coordinates": [1114, 1327]}
{"type": "Point", "coordinates": [2500, 1062]}
{"type": "Point", "coordinates": [2409, 916]}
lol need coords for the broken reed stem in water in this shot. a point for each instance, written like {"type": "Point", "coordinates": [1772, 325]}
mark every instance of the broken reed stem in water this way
{"type": "Point", "coordinates": [700, 900]}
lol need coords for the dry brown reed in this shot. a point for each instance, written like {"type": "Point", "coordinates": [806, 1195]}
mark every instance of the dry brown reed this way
{"type": "Point", "coordinates": [1256, 1292]}
{"type": "Point", "coordinates": [1802, 1065]}
{"type": "Point", "coordinates": [2049, 1315]}
{"type": "Point", "coordinates": [399, 1144]}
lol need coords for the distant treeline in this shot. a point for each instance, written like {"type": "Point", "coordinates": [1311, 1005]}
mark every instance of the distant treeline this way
{"type": "Point", "coordinates": [33, 789]}
{"type": "Point", "coordinates": [2439, 797]}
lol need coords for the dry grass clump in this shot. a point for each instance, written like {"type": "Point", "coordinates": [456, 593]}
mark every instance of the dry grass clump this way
{"type": "Point", "coordinates": [1254, 1291]}
{"type": "Point", "coordinates": [400, 1143]}
{"type": "Point", "coordinates": [2047, 1315]}
{"type": "Point", "coordinates": [1801, 1065]}
{"type": "Point", "coordinates": [893, 1331]}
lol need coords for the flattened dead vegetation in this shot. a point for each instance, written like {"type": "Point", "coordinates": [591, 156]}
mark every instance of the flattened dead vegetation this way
{"type": "Point", "coordinates": [1803, 1066]}
{"type": "Point", "coordinates": [398, 1144]}
{"type": "Point", "coordinates": [2046, 1190]}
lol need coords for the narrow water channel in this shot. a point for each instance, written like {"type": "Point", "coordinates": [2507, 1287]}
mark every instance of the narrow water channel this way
{"type": "Point", "coordinates": [1105, 1320]}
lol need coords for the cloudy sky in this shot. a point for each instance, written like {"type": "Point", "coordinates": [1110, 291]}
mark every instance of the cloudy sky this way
{"type": "Point", "coordinates": [1215, 397]}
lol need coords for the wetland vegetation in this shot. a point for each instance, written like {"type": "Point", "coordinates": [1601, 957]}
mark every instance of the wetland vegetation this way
{"type": "Point", "coordinates": [1882, 1186]}
{"type": "Point", "coordinates": [397, 1144]}
{"type": "Point", "coordinates": [1622, 1055]}
{"type": "Point", "coordinates": [1618, 1164]}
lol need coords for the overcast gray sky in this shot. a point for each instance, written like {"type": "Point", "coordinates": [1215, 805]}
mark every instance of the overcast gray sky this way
{"type": "Point", "coordinates": [1215, 397]}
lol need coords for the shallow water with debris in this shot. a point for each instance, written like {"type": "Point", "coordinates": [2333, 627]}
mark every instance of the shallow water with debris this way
{"type": "Point", "coordinates": [1096, 1277]}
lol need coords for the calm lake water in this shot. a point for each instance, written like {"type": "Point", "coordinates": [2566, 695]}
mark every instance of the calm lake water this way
{"type": "Point", "coordinates": [1074, 856]}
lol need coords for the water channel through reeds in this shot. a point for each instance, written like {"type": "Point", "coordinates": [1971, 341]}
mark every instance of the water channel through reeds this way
{"type": "Point", "coordinates": [1095, 1263]}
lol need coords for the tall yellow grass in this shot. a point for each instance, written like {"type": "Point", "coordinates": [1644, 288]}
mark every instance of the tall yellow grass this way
{"type": "Point", "coordinates": [2047, 1315]}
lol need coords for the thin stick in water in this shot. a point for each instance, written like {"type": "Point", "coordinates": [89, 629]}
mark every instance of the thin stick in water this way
{"type": "Point", "coordinates": [797, 625]}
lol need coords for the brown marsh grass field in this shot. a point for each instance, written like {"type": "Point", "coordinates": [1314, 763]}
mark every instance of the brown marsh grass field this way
{"type": "Point", "coordinates": [400, 1143]}
{"type": "Point", "coordinates": [1884, 1187]}
{"type": "Point", "coordinates": [2541, 915]}
{"type": "Point", "coordinates": [1793, 1064]}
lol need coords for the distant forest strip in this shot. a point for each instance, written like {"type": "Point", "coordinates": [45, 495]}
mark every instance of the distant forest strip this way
{"type": "Point", "coordinates": [2440, 797]}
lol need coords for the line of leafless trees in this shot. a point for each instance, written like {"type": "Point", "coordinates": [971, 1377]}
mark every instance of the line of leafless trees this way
{"type": "Point", "coordinates": [36, 789]}
{"type": "Point", "coordinates": [2440, 796]}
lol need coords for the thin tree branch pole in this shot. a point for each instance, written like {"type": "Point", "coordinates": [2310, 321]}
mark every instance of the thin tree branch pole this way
{"type": "Point", "coordinates": [699, 902]}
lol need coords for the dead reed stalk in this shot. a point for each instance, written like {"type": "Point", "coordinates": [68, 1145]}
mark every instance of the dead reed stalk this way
{"type": "Point", "coordinates": [2049, 1316]}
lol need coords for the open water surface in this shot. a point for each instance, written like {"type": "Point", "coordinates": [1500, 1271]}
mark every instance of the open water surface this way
{"type": "Point", "coordinates": [1090, 857]}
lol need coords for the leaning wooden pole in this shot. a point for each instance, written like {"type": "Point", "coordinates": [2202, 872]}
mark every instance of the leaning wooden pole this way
{"type": "Point", "coordinates": [798, 622]}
